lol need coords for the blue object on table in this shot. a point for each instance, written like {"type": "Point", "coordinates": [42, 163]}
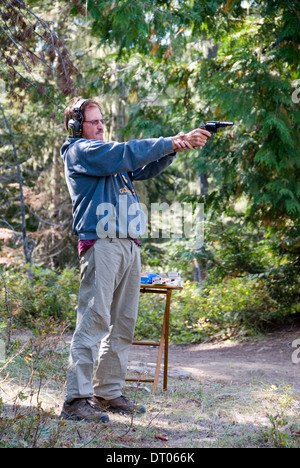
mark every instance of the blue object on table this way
{"type": "Point", "coordinates": [148, 278]}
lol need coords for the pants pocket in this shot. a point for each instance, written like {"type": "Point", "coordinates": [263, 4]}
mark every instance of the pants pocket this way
{"type": "Point", "coordinates": [87, 266]}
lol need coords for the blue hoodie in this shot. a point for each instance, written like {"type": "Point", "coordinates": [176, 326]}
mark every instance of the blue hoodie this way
{"type": "Point", "coordinates": [99, 176]}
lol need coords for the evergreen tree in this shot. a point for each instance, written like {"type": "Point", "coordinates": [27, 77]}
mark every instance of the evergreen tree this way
{"type": "Point", "coordinates": [35, 76]}
{"type": "Point", "coordinates": [186, 62]}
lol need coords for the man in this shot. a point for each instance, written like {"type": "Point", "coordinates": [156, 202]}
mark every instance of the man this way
{"type": "Point", "coordinates": [108, 220]}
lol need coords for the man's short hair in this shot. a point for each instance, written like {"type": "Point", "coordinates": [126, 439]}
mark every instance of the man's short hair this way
{"type": "Point", "coordinates": [71, 114]}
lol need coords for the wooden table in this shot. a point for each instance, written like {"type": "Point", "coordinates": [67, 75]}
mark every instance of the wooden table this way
{"type": "Point", "coordinates": [164, 340]}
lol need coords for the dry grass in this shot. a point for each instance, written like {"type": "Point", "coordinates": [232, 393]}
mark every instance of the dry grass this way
{"type": "Point", "coordinates": [190, 414]}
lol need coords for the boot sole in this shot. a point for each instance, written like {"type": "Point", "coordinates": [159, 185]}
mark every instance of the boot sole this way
{"type": "Point", "coordinates": [112, 409]}
{"type": "Point", "coordinates": [74, 417]}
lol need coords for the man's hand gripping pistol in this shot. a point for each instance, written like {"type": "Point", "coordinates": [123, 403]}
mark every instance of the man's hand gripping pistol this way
{"type": "Point", "coordinates": [198, 137]}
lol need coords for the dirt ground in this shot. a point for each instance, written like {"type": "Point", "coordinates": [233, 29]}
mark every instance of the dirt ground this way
{"type": "Point", "coordinates": [267, 359]}
{"type": "Point", "coordinates": [220, 394]}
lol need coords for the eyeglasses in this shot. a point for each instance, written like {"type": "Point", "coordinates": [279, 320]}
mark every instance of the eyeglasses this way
{"type": "Point", "coordinates": [95, 123]}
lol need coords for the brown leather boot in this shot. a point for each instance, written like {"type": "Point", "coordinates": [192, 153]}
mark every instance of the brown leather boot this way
{"type": "Point", "coordinates": [83, 409]}
{"type": "Point", "coordinates": [121, 404]}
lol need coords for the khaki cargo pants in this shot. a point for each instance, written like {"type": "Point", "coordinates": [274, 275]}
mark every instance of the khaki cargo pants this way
{"type": "Point", "coordinates": [106, 319]}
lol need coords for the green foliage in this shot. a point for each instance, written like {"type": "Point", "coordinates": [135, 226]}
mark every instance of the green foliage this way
{"type": "Point", "coordinates": [53, 295]}
{"type": "Point", "coordinates": [169, 65]}
{"type": "Point", "coordinates": [276, 434]}
{"type": "Point", "coordinates": [233, 307]}
{"type": "Point", "coordinates": [175, 77]}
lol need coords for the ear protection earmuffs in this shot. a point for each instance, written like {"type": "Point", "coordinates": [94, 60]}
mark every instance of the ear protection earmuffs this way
{"type": "Point", "coordinates": [75, 125]}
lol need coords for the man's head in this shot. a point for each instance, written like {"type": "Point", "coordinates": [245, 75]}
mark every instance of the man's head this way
{"type": "Point", "coordinates": [92, 121]}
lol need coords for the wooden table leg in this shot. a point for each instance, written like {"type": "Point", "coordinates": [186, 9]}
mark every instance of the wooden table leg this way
{"type": "Point", "coordinates": [164, 340]}
{"type": "Point", "coordinates": [167, 329]}
{"type": "Point", "coordinates": [164, 346]}
{"type": "Point", "coordinates": [159, 356]}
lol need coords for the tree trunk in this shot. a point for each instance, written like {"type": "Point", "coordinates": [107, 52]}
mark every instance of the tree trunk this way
{"type": "Point", "coordinates": [25, 239]}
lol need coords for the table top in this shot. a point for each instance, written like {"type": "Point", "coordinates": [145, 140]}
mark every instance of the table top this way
{"type": "Point", "coordinates": [160, 286]}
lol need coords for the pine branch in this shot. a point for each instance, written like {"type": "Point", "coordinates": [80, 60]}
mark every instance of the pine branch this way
{"type": "Point", "coordinates": [14, 42]}
{"type": "Point", "coordinates": [292, 6]}
{"type": "Point", "coordinates": [19, 31]}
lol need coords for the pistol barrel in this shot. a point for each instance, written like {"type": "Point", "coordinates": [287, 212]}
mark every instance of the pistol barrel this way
{"type": "Point", "coordinates": [214, 125]}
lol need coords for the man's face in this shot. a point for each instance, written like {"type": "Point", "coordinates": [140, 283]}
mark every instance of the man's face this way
{"type": "Point", "coordinates": [92, 126]}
